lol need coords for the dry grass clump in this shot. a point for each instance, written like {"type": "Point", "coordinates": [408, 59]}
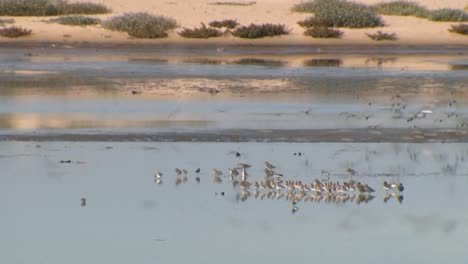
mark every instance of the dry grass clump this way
{"type": "Point", "coordinates": [323, 32]}
{"type": "Point", "coordinates": [75, 20]}
{"type": "Point", "coordinates": [141, 25]}
{"type": "Point", "coordinates": [14, 32]}
{"type": "Point", "coordinates": [460, 29]}
{"type": "Point", "coordinates": [201, 32]}
{"type": "Point", "coordinates": [260, 30]}
{"type": "Point", "coordinates": [226, 23]}
{"type": "Point", "coordinates": [379, 35]}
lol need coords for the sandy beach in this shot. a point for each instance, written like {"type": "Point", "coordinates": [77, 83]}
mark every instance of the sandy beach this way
{"type": "Point", "coordinates": [410, 30]}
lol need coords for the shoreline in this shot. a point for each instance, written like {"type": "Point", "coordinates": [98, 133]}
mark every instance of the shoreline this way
{"type": "Point", "coordinates": [261, 46]}
{"type": "Point", "coordinates": [364, 135]}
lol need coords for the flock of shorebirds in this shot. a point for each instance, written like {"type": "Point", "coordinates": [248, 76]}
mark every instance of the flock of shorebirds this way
{"type": "Point", "coordinates": [275, 186]}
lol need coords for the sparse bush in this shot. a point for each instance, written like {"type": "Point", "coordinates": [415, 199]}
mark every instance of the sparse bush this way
{"type": "Point", "coordinates": [48, 8]}
{"type": "Point", "coordinates": [401, 8]}
{"type": "Point", "coordinates": [6, 21]}
{"type": "Point", "coordinates": [141, 25]}
{"type": "Point", "coordinates": [323, 63]}
{"type": "Point", "coordinates": [234, 3]}
{"type": "Point", "coordinates": [75, 20]}
{"type": "Point", "coordinates": [447, 14]}
{"type": "Point", "coordinates": [27, 8]}
{"type": "Point", "coordinates": [379, 35]}
{"type": "Point", "coordinates": [66, 8]}
{"type": "Point", "coordinates": [313, 22]}
{"type": "Point", "coordinates": [323, 32]}
{"type": "Point", "coordinates": [14, 32]}
{"type": "Point", "coordinates": [460, 29]}
{"type": "Point", "coordinates": [341, 13]}
{"type": "Point", "coordinates": [307, 7]}
{"type": "Point", "coordinates": [201, 32]}
{"type": "Point", "coordinates": [259, 62]}
{"type": "Point", "coordinates": [260, 31]}
{"type": "Point", "coordinates": [227, 23]}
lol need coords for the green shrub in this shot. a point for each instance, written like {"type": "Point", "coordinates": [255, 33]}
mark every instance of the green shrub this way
{"type": "Point", "coordinates": [313, 22]}
{"type": "Point", "coordinates": [227, 23]}
{"type": "Point", "coordinates": [323, 32]}
{"type": "Point", "coordinates": [27, 8]}
{"type": "Point", "coordinates": [260, 31]}
{"type": "Point", "coordinates": [14, 32]}
{"type": "Point", "coordinates": [447, 14]}
{"type": "Point", "coordinates": [460, 29]}
{"type": "Point", "coordinates": [341, 13]}
{"type": "Point", "coordinates": [66, 8]}
{"type": "Point", "coordinates": [75, 20]}
{"type": "Point", "coordinates": [201, 32]}
{"type": "Point", "coordinates": [379, 35]}
{"type": "Point", "coordinates": [401, 8]}
{"type": "Point", "coordinates": [141, 25]}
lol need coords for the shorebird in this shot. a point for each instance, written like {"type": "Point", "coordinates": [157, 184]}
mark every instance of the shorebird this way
{"type": "Point", "coordinates": [294, 209]}
{"type": "Point", "coordinates": [386, 186]}
{"type": "Point", "coordinates": [269, 165]}
{"type": "Point", "coordinates": [158, 175]}
{"type": "Point", "coordinates": [233, 173]}
{"type": "Point", "coordinates": [178, 171]}
{"type": "Point", "coordinates": [368, 189]}
{"type": "Point", "coordinates": [83, 201]}
{"type": "Point", "coordinates": [244, 175]}
{"type": "Point", "coordinates": [243, 165]}
{"type": "Point", "coordinates": [350, 171]}
{"type": "Point", "coordinates": [216, 176]}
{"type": "Point", "coordinates": [197, 171]}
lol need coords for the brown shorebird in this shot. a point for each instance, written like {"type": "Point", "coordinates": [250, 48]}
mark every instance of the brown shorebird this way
{"type": "Point", "coordinates": [269, 165]}
{"type": "Point", "coordinates": [243, 165]}
{"type": "Point", "coordinates": [351, 171]}
{"type": "Point", "coordinates": [368, 189]}
{"type": "Point", "coordinates": [178, 171]}
{"type": "Point", "coordinates": [386, 186]}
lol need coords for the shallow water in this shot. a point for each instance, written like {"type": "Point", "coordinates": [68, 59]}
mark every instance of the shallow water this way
{"type": "Point", "coordinates": [129, 218]}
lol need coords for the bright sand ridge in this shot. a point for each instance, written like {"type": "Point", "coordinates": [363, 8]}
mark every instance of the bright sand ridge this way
{"type": "Point", "coordinates": [410, 30]}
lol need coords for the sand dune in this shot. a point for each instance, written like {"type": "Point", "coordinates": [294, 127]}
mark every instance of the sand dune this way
{"type": "Point", "coordinates": [410, 30]}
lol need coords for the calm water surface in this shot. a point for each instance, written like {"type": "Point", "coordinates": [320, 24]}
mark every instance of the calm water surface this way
{"type": "Point", "coordinates": [129, 218]}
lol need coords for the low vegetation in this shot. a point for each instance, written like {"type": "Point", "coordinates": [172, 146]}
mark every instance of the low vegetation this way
{"type": "Point", "coordinates": [379, 35]}
{"type": "Point", "coordinates": [234, 3]}
{"type": "Point", "coordinates": [6, 21]}
{"type": "Point", "coordinates": [323, 63]}
{"type": "Point", "coordinates": [85, 8]}
{"type": "Point", "coordinates": [447, 14]}
{"type": "Point", "coordinates": [226, 23]}
{"type": "Point", "coordinates": [14, 32]}
{"type": "Point", "coordinates": [201, 32]}
{"type": "Point", "coordinates": [313, 22]}
{"type": "Point", "coordinates": [75, 20]}
{"type": "Point", "coordinates": [323, 32]}
{"type": "Point", "coordinates": [260, 30]}
{"type": "Point", "coordinates": [460, 29]}
{"type": "Point", "coordinates": [141, 25]}
{"type": "Point", "coordinates": [401, 8]}
{"type": "Point", "coordinates": [49, 8]}
{"type": "Point", "coordinates": [341, 13]}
